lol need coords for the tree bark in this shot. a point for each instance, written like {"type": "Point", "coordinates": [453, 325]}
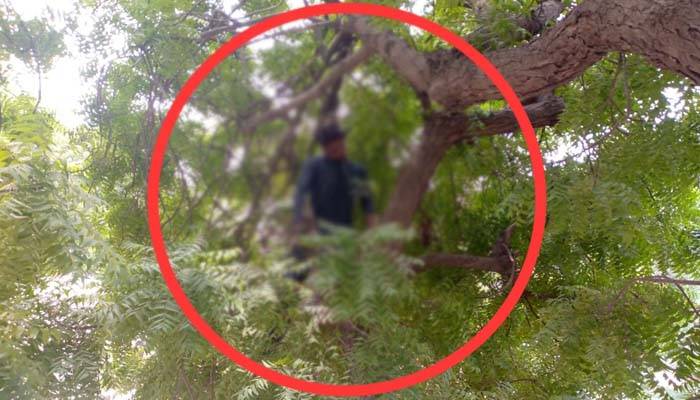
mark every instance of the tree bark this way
{"type": "Point", "coordinates": [438, 136]}
{"type": "Point", "coordinates": [666, 32]}
{"type": "Point", "coordinates": [443, 130]}
{"type": "Point", "coordinates": [411, 64]}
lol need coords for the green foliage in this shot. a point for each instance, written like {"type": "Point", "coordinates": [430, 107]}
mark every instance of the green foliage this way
{"type": "Point", "coordinates": [33, 42]}
{"type": "Point", "coordinates": [48, 345]}
{"type": "Point", "coordinates": [84, 309]}
{"type": "Point", "coordinates": [357, 278]}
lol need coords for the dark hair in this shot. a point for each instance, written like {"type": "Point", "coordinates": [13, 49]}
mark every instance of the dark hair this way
{"type": "Point", "coordinates": [329, 133]}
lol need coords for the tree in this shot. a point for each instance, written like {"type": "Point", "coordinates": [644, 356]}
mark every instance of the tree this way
{"type": "Point", "coordinates": [611, 311]}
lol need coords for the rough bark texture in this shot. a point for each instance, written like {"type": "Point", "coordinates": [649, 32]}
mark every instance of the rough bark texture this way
{"type": "Point", "coordinates": [411, 64]}
{"type": "Point", "coordinates": [414, 178]}
{"type": "Point", "coordinates": [545, 112]}
{"type": "Point", "coordinates": [666, 32]}
{"type": "Point", "coordinates": [443, 130]}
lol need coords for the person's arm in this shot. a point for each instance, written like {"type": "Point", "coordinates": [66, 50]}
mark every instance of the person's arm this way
{"type": "Point", "coordinates": [302, 189]}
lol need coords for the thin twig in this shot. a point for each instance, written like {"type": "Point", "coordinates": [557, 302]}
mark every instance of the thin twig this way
{"type": "Point", "coordinates": [657, 279]}
{"type": "Point", "coordinates": [343, 67]}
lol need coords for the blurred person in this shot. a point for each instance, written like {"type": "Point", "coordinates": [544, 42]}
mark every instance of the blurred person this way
{"type": "Point", "coordinates": [337, 186]}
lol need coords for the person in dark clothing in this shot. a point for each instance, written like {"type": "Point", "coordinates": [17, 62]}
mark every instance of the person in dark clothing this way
{"type": "Point", "coordinates": [336, 186]}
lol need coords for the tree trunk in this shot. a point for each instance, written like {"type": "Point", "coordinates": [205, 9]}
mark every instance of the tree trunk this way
{"type": "Point", "coordinates": [414, 176]}
{"type": "Point", "coordinates": [442, 130]}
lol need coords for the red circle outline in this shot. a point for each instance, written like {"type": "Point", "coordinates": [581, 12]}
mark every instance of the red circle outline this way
{"type": "Point", "coordinates": [160, 147]}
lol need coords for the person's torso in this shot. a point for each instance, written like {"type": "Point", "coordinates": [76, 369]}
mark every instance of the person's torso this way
{"type": "Point", "coordinates": [332, 190]}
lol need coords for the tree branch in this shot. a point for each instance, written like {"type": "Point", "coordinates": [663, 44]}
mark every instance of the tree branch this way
{"type": "Point", "coordinates": [343, 67]}
{"type": "Point", "coordinates": [443, 130]}
{"type": "Point", "coordinates": [666, 32]}
{"type": "Point", "coordinates": [544, 112]}
{"type": "Point", "coordinates": [411, 64]}
{"type": "Point", "coordinates": [535, 23]}
{"type": "Point", "coordinates": [657, 279]}
{"type": "Point", "coordinates": [499, 260]}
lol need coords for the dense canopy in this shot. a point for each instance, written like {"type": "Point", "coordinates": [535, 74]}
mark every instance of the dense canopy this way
{"type": "Point", "coordinates": [611, 311]}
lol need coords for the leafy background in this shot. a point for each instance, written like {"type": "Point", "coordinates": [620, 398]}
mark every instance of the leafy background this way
{"type": "Point", "coordinates": [85, 313]}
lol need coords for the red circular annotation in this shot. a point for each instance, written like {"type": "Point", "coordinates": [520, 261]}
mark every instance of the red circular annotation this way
{"type": "Point", "coordinates": [319, 388]}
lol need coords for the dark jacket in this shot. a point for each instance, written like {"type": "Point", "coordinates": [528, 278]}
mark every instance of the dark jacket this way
{"type": "Point", "coordinates": [335, 186]}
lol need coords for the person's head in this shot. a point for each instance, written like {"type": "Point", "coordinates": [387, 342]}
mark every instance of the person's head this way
{"type": "Point", "coordinates": [332, 140]}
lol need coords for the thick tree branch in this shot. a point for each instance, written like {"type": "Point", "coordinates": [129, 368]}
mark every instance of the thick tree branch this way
{"type": "Point", "coordinates": [411, 64]}
{"type": "Point", "coordinates": [415, 175]}
{"type": "Point", "coordinates": [443, 130]}
{"type": "Point", "coordinates": [499, 260]}
{"type": "Point", "coordinates": [666, 32]}
{"type": "Point", "coordinates": [544, 112]}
